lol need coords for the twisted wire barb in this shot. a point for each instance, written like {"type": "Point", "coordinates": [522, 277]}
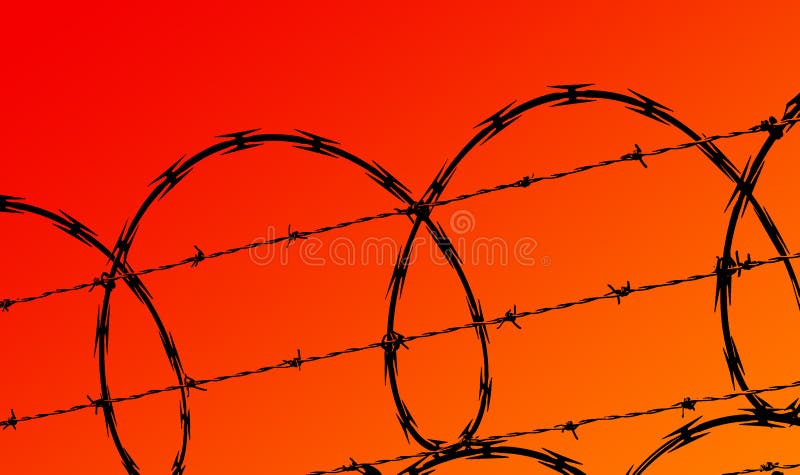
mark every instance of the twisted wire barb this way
{"type": "Point", "coordinates": [391, 343]}
{"type": "Point", "coordinates": [686, 403]}
{"type": "Point", "coordinates": [192, 261]}
{"type": "Point", "coordinates": [765, 467]}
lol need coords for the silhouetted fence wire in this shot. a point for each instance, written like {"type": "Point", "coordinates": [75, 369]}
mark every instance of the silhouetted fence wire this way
{"type": "Point", "coordinates": [524, 182]}
{"type": "Point", "coordinates": [687, 403]}
{"type": "Point", "coordinates": [468, 445]}
{"type": "Point", "coordinates": [398, 340]}
{"type": "Point", "coordinates": [766, 467]}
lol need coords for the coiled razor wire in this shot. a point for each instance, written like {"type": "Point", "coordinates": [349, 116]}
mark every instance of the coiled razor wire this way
{"type": "Point", "coordinates": [419, 211]}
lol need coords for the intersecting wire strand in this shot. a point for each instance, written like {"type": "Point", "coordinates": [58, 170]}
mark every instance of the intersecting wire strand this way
{"type": "Point", "coordinates": [769, 466]}
{"type": "Point", "coordinates": [570, 426]}
{"type": "Point", "coordinates": [523, 183]}
{"type": "Point", "coordinates": [399, 339]}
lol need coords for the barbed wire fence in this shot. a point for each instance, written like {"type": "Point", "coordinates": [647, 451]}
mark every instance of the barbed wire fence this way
{"type": "Point", "coordinates": [418, 211]}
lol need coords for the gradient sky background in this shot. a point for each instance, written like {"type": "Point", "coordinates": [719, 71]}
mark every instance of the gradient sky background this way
{"type": "Point", "coordinates": [99, 100]}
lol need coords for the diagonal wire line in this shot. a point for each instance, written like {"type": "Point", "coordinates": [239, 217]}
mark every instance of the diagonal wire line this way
{"type": "Point", "coordinates": [765, 467]}
{"type": "Point", "coordinates": [687, 403]}
{"type": "Point", "coordinates": [765, 126]}
{"type": "Point", "coordinates": [524, 182]}
{"type": "Point", "coordinates": [398, 340]}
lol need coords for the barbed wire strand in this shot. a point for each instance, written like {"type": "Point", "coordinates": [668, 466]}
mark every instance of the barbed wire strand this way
{"type": "Point", "coordinates": [571, 426]}
{"type": "Point", "coordinates": [526, 181]}
{"type": "Point", "coordinates": [398, 340]}
{"type": "Point", "coordinates": [766, 467]}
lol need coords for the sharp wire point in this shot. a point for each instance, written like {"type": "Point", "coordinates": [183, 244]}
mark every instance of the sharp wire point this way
{"type": "Point", "coordinates": [198, 257]}
{"type": "Point", "coordinates": [293, 236]}
{"type": "Point", "coordinates": [11, 421]}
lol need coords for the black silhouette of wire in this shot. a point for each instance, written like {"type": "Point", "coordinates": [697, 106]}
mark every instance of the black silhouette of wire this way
{"type": "Point", "coordinates": [469, 449]}
{"type": "Point", "coordinates": [419, 212]}
{"type": "Point", "coordinates": [571, 426]}
{"type": "Point", "coordinates": [568, 95]}
{"type": "Point", "coordinates": [508, 317]}
{"type": "Point", "coordinates": [762, 413]}
{"type": "Point", "coordinates": [82, 233]}
{"type": "Point", "coordinates": [7, 205]}
{"type": "Point", "coordinates": [740, 199]}
{"type": "Point", "coordinates": [765, 467]}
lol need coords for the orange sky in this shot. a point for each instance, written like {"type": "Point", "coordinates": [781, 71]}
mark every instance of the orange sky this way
{"type": "Point", "coordinates": [100, 100]}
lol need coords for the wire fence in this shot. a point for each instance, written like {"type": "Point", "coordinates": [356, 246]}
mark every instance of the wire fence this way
{"type": "Point", "coordinates": [468, 445]}
{"type": "Point", "coordinates": [6, 204]}
{"type": "Point", "coordinates": [570, 427]}
{"type": "Point", "coordinates": [392, 342]}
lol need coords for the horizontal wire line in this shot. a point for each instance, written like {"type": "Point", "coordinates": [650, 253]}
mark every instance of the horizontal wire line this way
{"type": "Point", "coordinates": [399, 340]}
{"type": "Point", "coordinates": [522, 183]}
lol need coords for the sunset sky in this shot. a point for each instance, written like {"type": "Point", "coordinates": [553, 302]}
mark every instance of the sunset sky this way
{"type": "Point", "coordinates": [100, 100]}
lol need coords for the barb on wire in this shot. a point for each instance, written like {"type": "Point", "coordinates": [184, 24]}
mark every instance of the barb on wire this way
{"type": "Point", "coordinates": [7, 204]}
{"type": "Point", "coordinates": [103, 281]}
{"type": "Point", "coordinates": [292, 236]}
{"type": "Point", "coordinates": [198, 257]}
{"type": "Point", "coordinates": [510, 317]}
{"type": "Point", "coordinates": [636, 155]}
{"type": "Point", "coordinates": [570, 427]}
{"type": "Point", "coordinates": [96, 403]}
{"type": "Point", "coordinates": [392, 342]}
{"type": "Point", "coordinates": [191, 383]}
{"type": "Point", "coordinates": [295, 362]}
{"type": "Point", "coordinates": [623, 291]}
{"type": "Point", "coordinates": [360, 468]}
{"type": "Point", "coordinates": [11, 421]}
{"type": "Point", "coordinates": [772, 126]}
{"type": "Point", "coordinates": [687, 404]}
